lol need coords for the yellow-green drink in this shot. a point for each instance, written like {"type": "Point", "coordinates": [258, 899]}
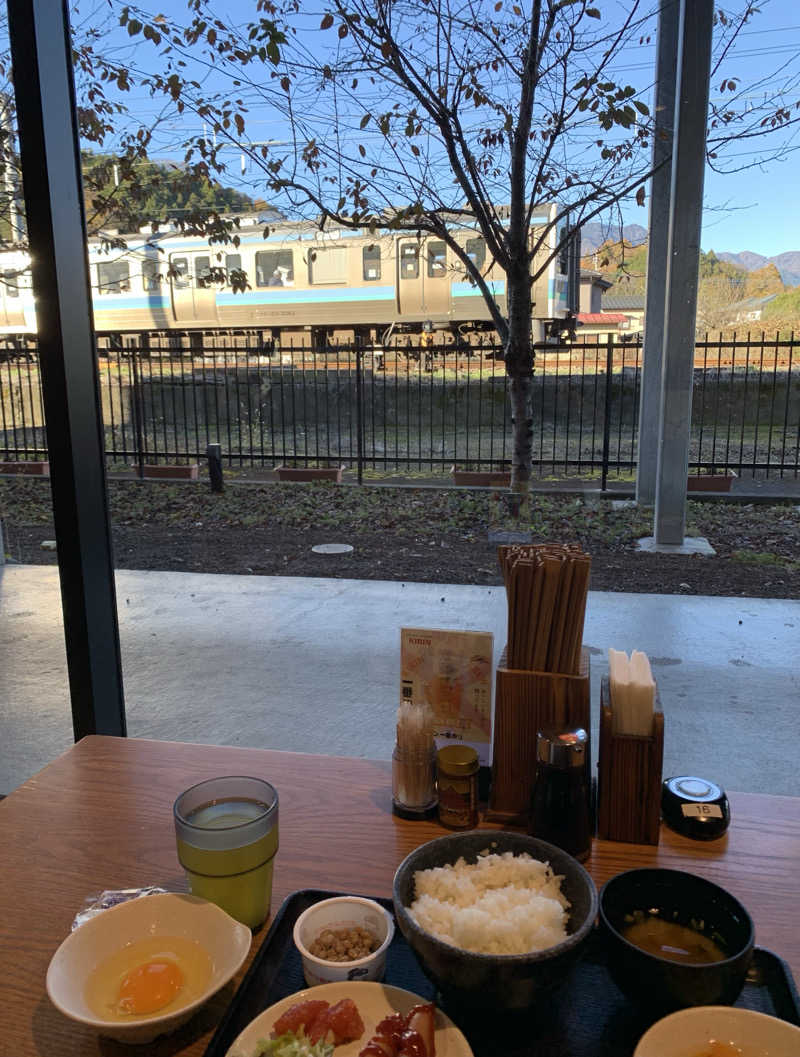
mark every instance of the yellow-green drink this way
{"type": "Point", "coordinates": [227, 835]}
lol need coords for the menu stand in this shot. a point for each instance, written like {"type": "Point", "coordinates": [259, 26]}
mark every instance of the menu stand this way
{"type": "Point", "coordinates": [525, 703]}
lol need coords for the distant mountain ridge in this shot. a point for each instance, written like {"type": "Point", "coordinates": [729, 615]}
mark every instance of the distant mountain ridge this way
{"type": "Point", "coordinates": [788, 264]}
{"type": "Point", "coordinates": [594, 235]}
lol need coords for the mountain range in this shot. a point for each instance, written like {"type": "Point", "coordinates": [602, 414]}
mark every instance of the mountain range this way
{"type": "Point", "coordinates": [788, 264]}
{"type": "Point", "coordinates": [593, 235]}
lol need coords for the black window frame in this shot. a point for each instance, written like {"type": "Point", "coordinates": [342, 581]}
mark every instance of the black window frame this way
{"type": "Point", "coordinates": [120, 284]}
{"type": "Point", "coordinates": [266, 272]}
{"type": "Point", "coordinates": [371, 257]}
{"type": "Point", "coordinates": [478, 259]}
{"type": "Point", "coordinates": [409, 251]}
{"type": "Point", "coordinates": [437, 265]}
{"type": "Point", "coordinates": [151, 276]}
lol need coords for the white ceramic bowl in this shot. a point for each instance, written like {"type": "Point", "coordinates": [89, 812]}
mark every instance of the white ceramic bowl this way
{"type": "Point", "coordinates": [225, 940]}
{"type": "Point", "coordinates": [343, 912]}
{"type": "Point", "coordinates": [689, 1031]}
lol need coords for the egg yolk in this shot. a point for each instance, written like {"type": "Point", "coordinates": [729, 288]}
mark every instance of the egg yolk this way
{"type": "Point", "coordinates": [149, 987]}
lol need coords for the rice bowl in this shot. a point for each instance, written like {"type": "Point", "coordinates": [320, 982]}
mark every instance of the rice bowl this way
{"type": "Point", "coordinates": [479, 980]}
{"type": "Point", "coordinates": [500, 904]}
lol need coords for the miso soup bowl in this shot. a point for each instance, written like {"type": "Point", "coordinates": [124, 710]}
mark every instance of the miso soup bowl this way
{"type": "Point", "coordinates": [656, 982]}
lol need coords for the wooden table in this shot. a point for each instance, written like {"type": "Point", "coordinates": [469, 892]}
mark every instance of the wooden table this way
{"type": "Point", "coordinates": [100, 816]}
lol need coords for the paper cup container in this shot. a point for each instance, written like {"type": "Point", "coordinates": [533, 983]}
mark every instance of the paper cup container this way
{"type": "Point", "coordinates": [343, 912]}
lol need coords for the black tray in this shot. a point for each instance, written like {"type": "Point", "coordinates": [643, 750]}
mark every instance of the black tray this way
{"type": "Point", "coordinates": [589, 1017]}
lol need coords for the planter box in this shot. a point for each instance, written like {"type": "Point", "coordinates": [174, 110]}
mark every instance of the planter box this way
{"type": "Point", "coordinates": [482, 478]}
{"type": "Point", "coordinates": [710, 482]}
{"type": "Point", "coordinates": [35, 469]}
{"type": "Point", "coordinates": [181, 473]}
{"type": "Point", "coordinates": [309, 473]}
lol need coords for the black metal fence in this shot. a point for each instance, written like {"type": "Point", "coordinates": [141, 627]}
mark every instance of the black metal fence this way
{"type": "Point", "coordinates": [410, 410]}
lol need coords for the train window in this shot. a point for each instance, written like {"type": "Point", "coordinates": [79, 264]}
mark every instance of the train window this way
{"type": "Point", "coordinates": [409, 261]}
{"type": "Point", "coordinates": [11, 283]}
{"type": "Point", "coordinates": [202, 272]}
{"type": "Point", "coordinates": [275, 268]}
{"type": "Point", "coordinates": [113, 277]}
{"type": "Point", "coordinates": [371, 259]}
{"type": "Point", "coordinates": [437, 259]}
{"type": "Point", "coordinates": [563, 256]}
{"type": "Point", "coordinates": [181, 278]}
{"type": "Point", "coordinates": [151, 279]}
{"type": "Point", "coordinates": [476, 251]}
{"type": "Point", "coordinates": [328, 265]}
{"type": "Point", "coordinates": [233, 263]}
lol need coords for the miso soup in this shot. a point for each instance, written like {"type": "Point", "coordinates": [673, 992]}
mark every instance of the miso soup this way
{"type": "Point", "coordinates": [668, 939]}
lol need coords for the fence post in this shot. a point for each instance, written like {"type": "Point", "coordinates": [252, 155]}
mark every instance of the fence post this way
{"type": "Point", "coordinates": [607, 410]}
{"type": "Point", "coordinates": [136, 407]}
{"type": "Point", "coordinates": [214, 454]}
{"type": "Point", "coordinates": [360, 411]}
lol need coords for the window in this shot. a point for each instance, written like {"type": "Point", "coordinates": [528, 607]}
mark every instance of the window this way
{"type": "Point", "coordinates": [476, 251]}
{"type": "Point", "coordinates": [371, 260]}
{"type": "Point", "coordinates": [274, 268]}
{"type": "Point", "coordinates": [328, 265]}
{"type": "Point", "coordinates": [180, 266]}
{"type": "Point", "coordinates": [563, 255]}
{"type": "Point", "coordinates": [113, 277]}
{"type": "Point", "coordinates": [202, 272]}
{"type": "Point", "coordinates": [151, 280]}
{"type": "Point", "coordinates": [437, 259]}
{"type": "Point", "coordinates": [233, 263]}
{"type": "Point", "coordinates": [11, 283]}
{"type": "Point", "coordinates": [409, 261]}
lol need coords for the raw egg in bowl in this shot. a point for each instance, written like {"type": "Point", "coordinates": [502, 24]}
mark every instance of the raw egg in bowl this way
{"type": "Point", "coordinates": [143, 968]}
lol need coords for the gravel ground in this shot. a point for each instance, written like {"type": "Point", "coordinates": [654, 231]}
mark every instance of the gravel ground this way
{"type": "Point", "coordinates": [435, 535]}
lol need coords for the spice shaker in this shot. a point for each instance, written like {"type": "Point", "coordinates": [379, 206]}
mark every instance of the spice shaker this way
{"type": "Point", "coordinates": [560, 800]}
{"type": "Point", "coordinates": [457, 779]}
{"type": "Point", "coordinates": [414, 763]}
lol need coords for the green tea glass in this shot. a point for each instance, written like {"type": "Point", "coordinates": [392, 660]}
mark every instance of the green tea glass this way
{"type": "Point", "coordinates": [227, 834]}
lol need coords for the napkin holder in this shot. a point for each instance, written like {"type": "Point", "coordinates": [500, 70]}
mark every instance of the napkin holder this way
{"type": "Point", "coordinates": [525, 702]}
{"type": "Point", "coordinates": [629, 773]}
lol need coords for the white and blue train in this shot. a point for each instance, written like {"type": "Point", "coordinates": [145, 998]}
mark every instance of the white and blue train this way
{"type": "Point", "coordinates": [303, 286]}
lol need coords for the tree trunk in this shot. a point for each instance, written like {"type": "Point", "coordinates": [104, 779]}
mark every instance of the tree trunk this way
{"type": "Point", "coordinates": [519, 368]}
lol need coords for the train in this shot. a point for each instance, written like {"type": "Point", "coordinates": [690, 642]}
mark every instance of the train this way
{"type": "Point", "coordinates": [304, 287]}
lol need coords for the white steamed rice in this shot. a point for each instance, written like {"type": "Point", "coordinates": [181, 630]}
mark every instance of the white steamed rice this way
{"type": "Point", "coordinates": [502, 904]}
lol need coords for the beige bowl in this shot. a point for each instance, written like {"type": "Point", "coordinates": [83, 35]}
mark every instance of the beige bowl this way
{"type": "Point", "coordinates": [225, 940]}
{"type": "Point", "coordinates": [688, 1033]}
{"type": "Point", "coordinates": [343, 912]}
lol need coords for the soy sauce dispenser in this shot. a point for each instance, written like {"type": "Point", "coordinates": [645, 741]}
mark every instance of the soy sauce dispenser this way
{"type": "Point", "coordinates": [560, 799]}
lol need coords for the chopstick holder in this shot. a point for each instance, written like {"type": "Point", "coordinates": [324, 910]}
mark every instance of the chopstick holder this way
{"type": "Point", "coordinates": [629, 775]}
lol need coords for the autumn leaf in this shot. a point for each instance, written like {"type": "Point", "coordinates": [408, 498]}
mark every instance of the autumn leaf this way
{"type": "Point", "coordinates": [327, 21]}
{"type": "Point", "coordinates": [640, 197]}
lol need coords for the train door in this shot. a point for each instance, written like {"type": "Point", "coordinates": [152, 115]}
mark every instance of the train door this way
{"type": "Point", "coordinates": [194, 296]}
{"type": "Point", "coordinates": [423, 282]}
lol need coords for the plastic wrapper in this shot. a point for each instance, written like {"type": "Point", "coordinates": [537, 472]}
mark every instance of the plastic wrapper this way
{"type": "Point", "coordinates": [98, 902]}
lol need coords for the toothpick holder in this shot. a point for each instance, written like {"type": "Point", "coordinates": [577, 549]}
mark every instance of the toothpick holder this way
{"type": "Point", "coordinates": [629, 775]}
{"type": "Point", "coordinates": [526, 702]}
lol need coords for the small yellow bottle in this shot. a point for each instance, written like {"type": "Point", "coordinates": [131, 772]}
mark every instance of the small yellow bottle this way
{"type": "Point", "coordinates": [457, 778]}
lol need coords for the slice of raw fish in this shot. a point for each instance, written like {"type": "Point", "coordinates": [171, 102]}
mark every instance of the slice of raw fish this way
{"type": "Point", "coordinates": [422, 1020]}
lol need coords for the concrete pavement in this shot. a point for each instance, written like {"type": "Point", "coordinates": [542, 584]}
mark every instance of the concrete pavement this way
{"type": "Point", "coordinates": [312, 665]}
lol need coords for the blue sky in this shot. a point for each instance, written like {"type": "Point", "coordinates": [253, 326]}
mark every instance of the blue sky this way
{"type": "Point", "coordinates": [754, 209]}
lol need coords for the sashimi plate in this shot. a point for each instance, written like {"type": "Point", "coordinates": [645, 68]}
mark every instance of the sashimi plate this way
{"type": "Point", "coordinates": [374, 1001]}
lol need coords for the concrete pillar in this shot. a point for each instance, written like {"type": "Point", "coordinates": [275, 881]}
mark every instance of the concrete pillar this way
{"type": "Point", "coordinates": [685, 219]}
{"type": "Point", "coordinates": [650, 391]}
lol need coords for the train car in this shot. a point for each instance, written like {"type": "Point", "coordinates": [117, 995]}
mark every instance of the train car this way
{"type": "Point", "coordinates": [299, 285]}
